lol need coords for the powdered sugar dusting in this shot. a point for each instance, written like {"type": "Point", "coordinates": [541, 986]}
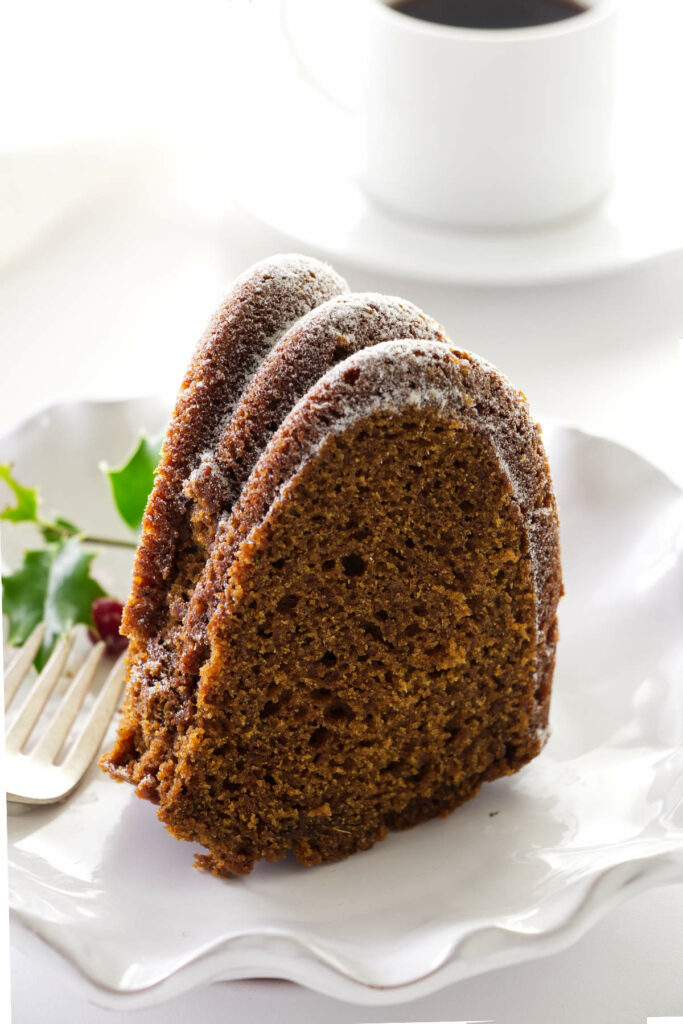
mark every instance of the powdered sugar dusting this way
{"type": "Point", "coordinates": [352, 313]}
{"type": "Point", "coordinates": [393, 371]}
{"type": "Point", "coordinates": [282, 268]}
{"type": "Point", "coordinates": [316, 342]}
{"type": "Point", "coordinates": [278, 275]}
{"type": "Point", "coordinates": [543, 733]}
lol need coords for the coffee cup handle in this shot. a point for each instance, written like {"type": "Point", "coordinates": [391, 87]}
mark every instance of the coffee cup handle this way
{"type": "Point", "coordinates": [304, 69]}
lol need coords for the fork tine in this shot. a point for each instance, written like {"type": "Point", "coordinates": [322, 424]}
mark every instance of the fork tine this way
{"type": "Point", "coordinates": [22, 663]}
{"type": "Point", "coordinates": [37, 696]}
{"type": "Point", "coordinates": [51, 742]}
{"type": "Point", "coordinates": [87, 744]}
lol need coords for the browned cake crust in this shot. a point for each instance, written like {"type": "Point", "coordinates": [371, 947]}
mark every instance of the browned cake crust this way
{"type": "Point", "coordinates": [382, 618]}
{"type": "Point", "coordinates": [262, 303]}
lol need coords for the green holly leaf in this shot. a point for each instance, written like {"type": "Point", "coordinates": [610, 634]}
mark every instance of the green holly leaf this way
{"type": "Point", "coordinates": [132, 482]}
{"type": "Point", "coordinates": [55, 586]}
{"type": "Point", "coordinates": [26, 508]}
{"type": "Point", "coordinates": [23, 595]}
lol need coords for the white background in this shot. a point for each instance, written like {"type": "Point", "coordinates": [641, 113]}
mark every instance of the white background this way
{"type": "Point", "coordinates": [112, 256]}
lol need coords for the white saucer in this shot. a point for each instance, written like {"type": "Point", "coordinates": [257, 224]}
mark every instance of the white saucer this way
{"type": "Point", "coordinates": [101, 893]}
{"type": "Point", "coordinates": [298, 172]}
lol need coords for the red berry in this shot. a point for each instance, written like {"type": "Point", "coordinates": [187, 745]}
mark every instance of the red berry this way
{"type": "Point", "coordinates": [106, 614]}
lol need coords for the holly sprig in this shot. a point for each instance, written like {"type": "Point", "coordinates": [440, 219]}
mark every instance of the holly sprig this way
{"type": "Point", "coordinates": [54, 583]}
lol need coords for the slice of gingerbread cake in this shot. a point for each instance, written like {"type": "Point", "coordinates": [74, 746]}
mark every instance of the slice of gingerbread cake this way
{"type": "Point", "coordinates": [357, 625]}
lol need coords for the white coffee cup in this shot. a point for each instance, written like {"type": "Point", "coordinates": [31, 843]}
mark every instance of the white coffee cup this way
{"type": "Point", "coordinates": [488, 128]}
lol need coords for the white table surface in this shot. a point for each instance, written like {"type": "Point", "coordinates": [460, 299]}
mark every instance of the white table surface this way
{"type": "Point", "coordinates": [111, 303]}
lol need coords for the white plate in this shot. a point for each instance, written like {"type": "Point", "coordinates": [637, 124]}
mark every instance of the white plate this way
{"type": "Point", "coordinates": [99, 889]}
{"type": "Point", "coordinates": [294, 163]}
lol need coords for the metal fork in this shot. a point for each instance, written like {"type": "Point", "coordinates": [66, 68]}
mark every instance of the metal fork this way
{"type": "Point", "coordinates": [34, 778]}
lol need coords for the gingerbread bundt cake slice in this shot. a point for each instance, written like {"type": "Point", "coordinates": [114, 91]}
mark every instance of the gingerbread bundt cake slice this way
{"type": "Point", "coordinates": [262, 304]}
{"type": "Point", "coordinates": [382, 621]}
{"type": "Point", "coordinates": [164, 663]}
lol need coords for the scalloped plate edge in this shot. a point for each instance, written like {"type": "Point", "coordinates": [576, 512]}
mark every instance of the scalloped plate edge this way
{"type": "Point", "coordinates": [286, 958]}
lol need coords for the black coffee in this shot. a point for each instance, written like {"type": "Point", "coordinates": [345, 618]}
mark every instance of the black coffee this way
{"type": "Point", "coordinates": [490, 13]}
